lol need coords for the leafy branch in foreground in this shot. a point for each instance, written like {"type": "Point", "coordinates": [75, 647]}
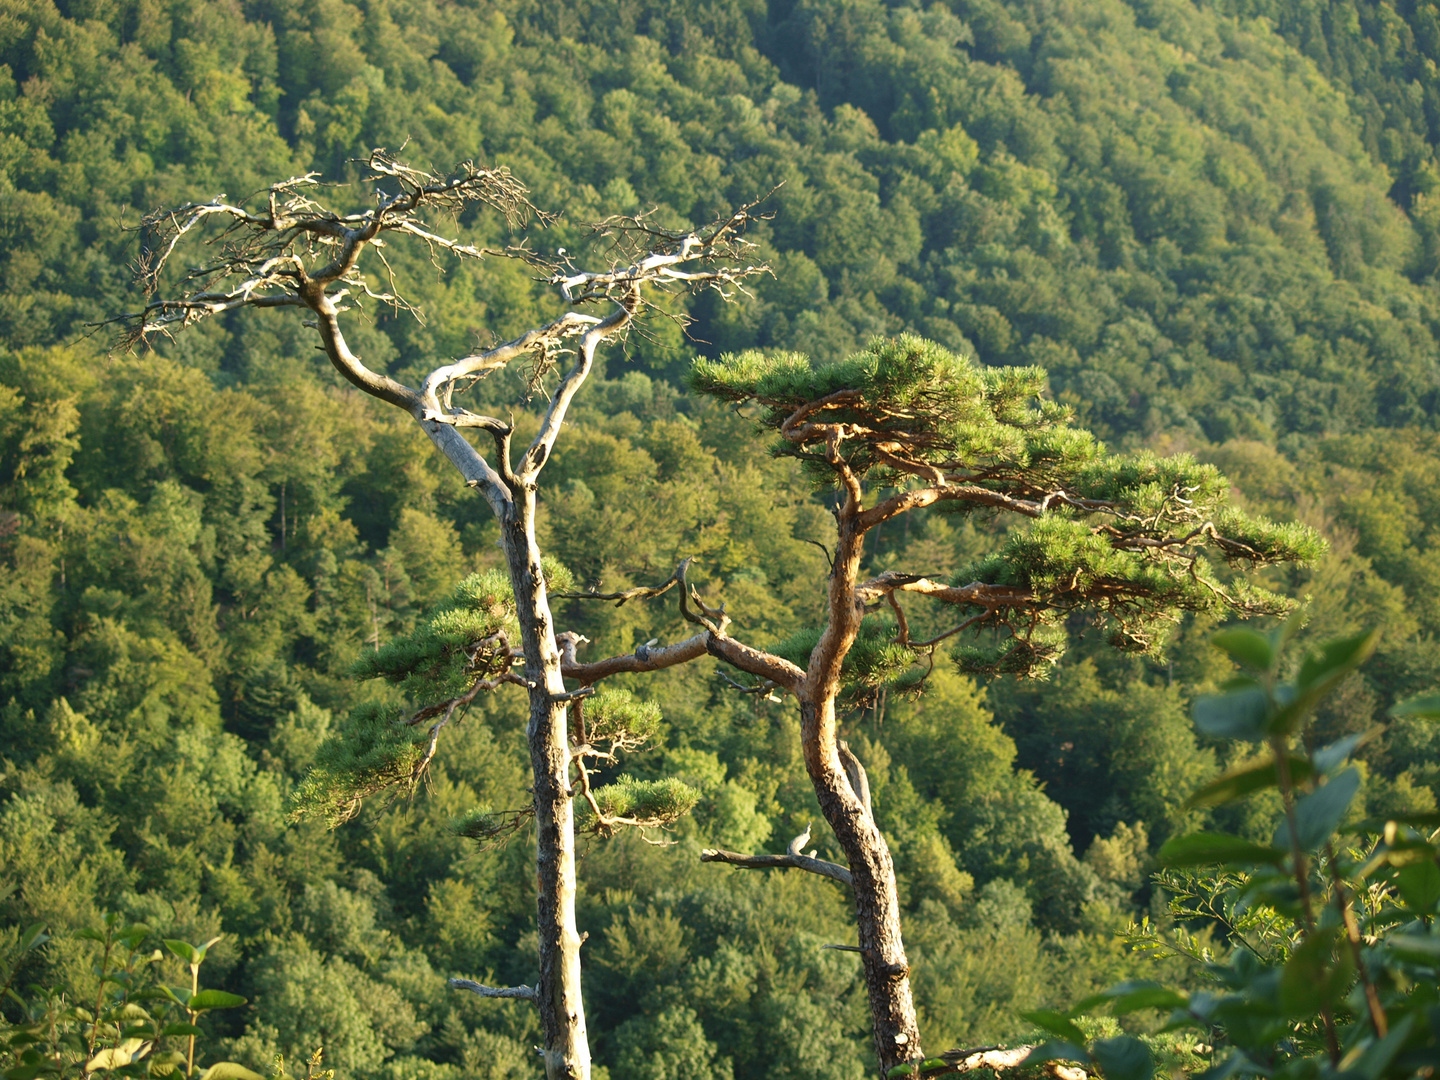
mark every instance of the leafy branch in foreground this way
{"type": "Point", "coordinates": [133, 1026]}
{"type": "Point", "coordinates": [1333, 960]}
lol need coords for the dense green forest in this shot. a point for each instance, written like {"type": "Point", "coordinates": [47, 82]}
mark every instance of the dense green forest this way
{"type": "Point", "coordinates": [1215, 224]}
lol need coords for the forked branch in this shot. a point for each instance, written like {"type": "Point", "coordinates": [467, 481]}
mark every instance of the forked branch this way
{"type": "Point", "coordinates": [281, 247]}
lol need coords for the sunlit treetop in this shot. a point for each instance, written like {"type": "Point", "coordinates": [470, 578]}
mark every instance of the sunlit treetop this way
{"type": "Point", "coordinates": [1133, 539]}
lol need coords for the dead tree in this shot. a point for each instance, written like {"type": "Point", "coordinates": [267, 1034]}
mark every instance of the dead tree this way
{"type": "Point", "coordinates": [904, 426]}
{"type": "Point", "coordinates": [284, 249]}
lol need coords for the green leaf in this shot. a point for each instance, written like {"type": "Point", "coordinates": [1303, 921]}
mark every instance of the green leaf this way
{"type": "Point", "coordinates": [1420, 948]}
{"type": "Point", "coordinates": [1311, 980]}
{"type": "Point", "coordinates": [1056, 1050]}
{"type": "Point", "coordinates": [1123, 1058]}
{"type": "Point", "coordinates": [1246, 647]}
{"type": "Point", "coordinates": [183, 949]}
{"type": "Point", "coordinates": [33, 938]}
{"type": "Point", "coordinates": [1424, 707]}
{"type": "Point", "coordinates": [214, 999]}
{"type": "Point", "coordinates": [1149, 997]}
{"type": "Point", "coordinates": [1336, 659]}
{"type": "Point", "coordinates": [1244, 781]}
{"type": "Point", "coordinates": [1239, 714]}
{"type": "Point", "coordinates": [1237, 1064]}
{"type": "Point", "coordinates": [1377, 1058]}
{"type": "Point", "coordinates": [1419, 885]}
{"type": "Point", "coordinates": [1130, 995]}
{"type": "Point", "coordinates": [1338, 752]}
{"type": "Point", "coordinates": [1318, 814]}
{"type": "Point", "coordinates": [1207, 848]}
{"type": "Point", "coordinates": [179, 1030]}
{"type": "Point", "coordinates": [117, 1057]}
{"type": "Point", "coordinates": [1056, 1024]}
{"type": "Point", "coordinates": [1319, 674]}
{"type": "Point", "coordinates": [228, 1070]}
{"type": "Point", "coordinates": [1423, 819]}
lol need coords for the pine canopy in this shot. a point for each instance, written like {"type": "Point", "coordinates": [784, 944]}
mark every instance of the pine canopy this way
{"type": "Point", "coordinates": [1129, 537]}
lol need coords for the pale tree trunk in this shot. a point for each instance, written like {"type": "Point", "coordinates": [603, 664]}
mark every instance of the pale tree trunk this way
{"type": "Point", "coordinates": [562, 1013]}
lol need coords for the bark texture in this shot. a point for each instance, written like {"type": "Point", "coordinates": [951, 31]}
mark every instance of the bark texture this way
{"type": "Point", "coordinates": [562, 1011]}
{"type": "Point", "coordinates": [877, 901]}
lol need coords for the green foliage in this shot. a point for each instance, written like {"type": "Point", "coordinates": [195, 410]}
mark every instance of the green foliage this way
{"type": "Point", "coordinates": [1125, 536]}
{"type": "Point", "coordinates": [617, 717]}
{"type": "Point", "coordinates": [944, 406]}
{"type": "Point", "coordinates": [875, 661]}
{"type": "Point", "coordinates": [641, 803]}
{"type": "Point", "coordinates": [1303, 989]}
{"type": "Point", "coordinates": [1213, 225]}
{"type": "Point", "coordinates": [374, 751]}
{"type": "Point", "coordinates": [129, 1023]}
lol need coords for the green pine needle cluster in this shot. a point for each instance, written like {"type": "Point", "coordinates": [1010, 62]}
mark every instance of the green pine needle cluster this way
{"type": "Point", "coordinates": [1127, 536]}
{"type": "Point", "coordinates": [617, 716]}
{"type": "Point", "coordinates": [438, 661]}
{"type": "Point", "coordinates": [373, 752]}
{"type": "Point", "coordinates": [875, 661]}
{"type": "Point", "coordinates": [488, 827]}
{"type": "Point", "coordinates": [644, 803]}
{"type": "Point", "coordinates": [942, 407]}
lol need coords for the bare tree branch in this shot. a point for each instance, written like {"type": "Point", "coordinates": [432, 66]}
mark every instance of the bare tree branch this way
{"type": "Point", "coordinates": [640, 592]}
{"type": "Point", "coordinates": [831, 870]}
{"type": "Point", "coordinates": [647, 657]}
{"type": "Point", "coordinates": [524, 993]}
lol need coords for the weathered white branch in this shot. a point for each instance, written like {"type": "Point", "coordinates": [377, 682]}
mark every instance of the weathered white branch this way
{"type": "Point", "coordinates": [445, 376]}
{"type": "Point", "coordinates": [824, 868]}
{"type": "Point", "coordinates": [524, 993]}
{"type": "Point", "coordinates": [855, 772]}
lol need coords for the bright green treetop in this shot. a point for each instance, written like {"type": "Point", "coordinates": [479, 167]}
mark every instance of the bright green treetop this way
{"type": "Point", "coordinates": [1132, 537]}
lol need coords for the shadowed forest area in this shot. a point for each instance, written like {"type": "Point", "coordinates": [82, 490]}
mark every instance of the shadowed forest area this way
{"type": "Point", "coordinates": [1216, 225]}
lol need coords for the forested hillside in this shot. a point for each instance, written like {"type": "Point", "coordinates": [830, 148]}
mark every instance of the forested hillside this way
{"type": "Point", "coordinates": [1216, 225]}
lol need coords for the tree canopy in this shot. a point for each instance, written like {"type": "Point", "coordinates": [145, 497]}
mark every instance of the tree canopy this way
{"type": "Point", "coordinates": [1211, 224]}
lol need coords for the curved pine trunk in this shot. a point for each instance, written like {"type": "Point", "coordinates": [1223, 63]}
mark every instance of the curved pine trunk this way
{"type": "Point", "coordinates": [877, 901]}
{"type": "Point", "coordinates": [562, 1013]}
